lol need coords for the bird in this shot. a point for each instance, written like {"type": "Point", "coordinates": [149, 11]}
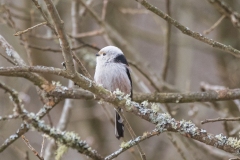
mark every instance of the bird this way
{"type": "Point", "coordinates": [112, 72]}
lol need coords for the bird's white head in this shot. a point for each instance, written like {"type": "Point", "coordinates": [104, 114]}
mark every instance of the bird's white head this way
{"type": "Point", "coordinates": [108, 54]}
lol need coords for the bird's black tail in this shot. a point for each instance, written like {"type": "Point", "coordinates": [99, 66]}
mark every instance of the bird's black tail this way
{"type": "Point", "coordinates": [119, 126]}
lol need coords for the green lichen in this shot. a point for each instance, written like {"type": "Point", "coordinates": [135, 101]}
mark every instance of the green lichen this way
{"type": "Point", "coordinates": [144, 104]}
{"type": "Point", "coordinates": [233, 142]}
{"type": "Point", "coordinates": [155, 107]}
{"type": "Point", "coordinates": [60, 151]}
{"type": "Point", "coordinates": [57, 84]}
{"type": "Point", "coordinates": [118, 93]}
{"type": "Point", "coordinates": [125, 144]}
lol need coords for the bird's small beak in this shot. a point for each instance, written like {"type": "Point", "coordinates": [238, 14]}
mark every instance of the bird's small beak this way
{"type": "Point", "coordinates": [97, 54]}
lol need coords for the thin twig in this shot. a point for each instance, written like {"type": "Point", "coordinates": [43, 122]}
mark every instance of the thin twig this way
{"type": "Point", "coordinates": [179, 149]}
{"type": "Point", "coordinates": [132, 143]}
{"type": "Point", "coordinates": [63, 40]}
{"type": "Point", "coordinates": [220, 119]}
{"type": "Point", "coordinates": [214, 25]}
{"type": "Point", "coordinates": [54, 50]}
{"type": "Point", "coordinates": [44, 16]}
{"type": "Point", "coordinates": [26, 155]}
{"type": "Point", "coordinates": [28, 29]}
{"type": "Point", "coordinates": [227, 11]}
{"type": "Point", "coordinates": [87, 34]}
{"type": "Point", "coordinates": [31, 148]}
{"type": "Point", "coordinates": [50, 120]}
{"type": "Point", "coordinates": [42, 146]}
{"type": "Point", "coordinates": [8, 59]}
{"type": "Point", "coordinates": [18, 110]}
{"type": "Point", "coordinates": [133, 11]}
{"type": "Point", "coordinates": [9, 117]}
{"type": "Point", "coordinates": [9, 17]}
{"type": "Point", "coordinates": [166, 56]}
{"type": "Point", "coordinates": [133, 135]}
{"type": "Point", "coordinates": [144, 74]}
{"type": "Point", "coordinates": [81, 66]}
{"type": "Point", "coordinates": [108, 114]}
{"type": "Point", "coordinates": [104, 9]}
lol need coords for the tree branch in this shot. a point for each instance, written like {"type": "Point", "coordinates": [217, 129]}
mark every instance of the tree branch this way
{"type": "Point", "coordinates": [66, 49]}
{"type": "Point", "coordinates": [226, 11]}
{"type": "Point", "coordinates": [69, 139]}
{"type": "Point", "coordinates": [187, 31]}
{"type": "Point", "coordinates": [132, 143]}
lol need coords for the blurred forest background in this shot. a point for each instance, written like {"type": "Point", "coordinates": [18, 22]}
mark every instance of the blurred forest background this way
{"type": "Point", "coordinates": [142, 37]}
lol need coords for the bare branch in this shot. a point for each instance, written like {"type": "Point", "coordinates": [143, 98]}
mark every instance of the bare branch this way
{"type": "Point", "coordinates": [214, 25]}
{"type": "Point", "coordinates": [187, 31]}
{"type": "Point", "coordinates": [28, 29]}
{"type": "Point", "coordinates": [49, 49]}
{"type": "Point", "coordinates": [31, 148]}
{"type": "Point", "coordinates": [145, 75]}
{"type": "Point", "coordinates": [44, 16]}
{"type": "Point", "coordinates": [14, 56]}
{"type": "Point", "coordinates": [166, 56]}
{"type": "Point", "coordinates": [226, 11]}
{"type": "Point", "coordinates": [18, 110]}
{"type": "Point", "coordinates": [59, 26]}
{"type": "Point", "coordinates": [88, 34]}
{"type": "Point", "coordinates": [104, 9]}
{"type": "Point", "coordinates": [220, 119]}
{"type": "Point", "coordinates": [209, 96]}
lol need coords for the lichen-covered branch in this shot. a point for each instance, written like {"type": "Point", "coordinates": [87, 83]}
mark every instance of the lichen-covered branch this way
{"type": "Point", "coordinates": [14, 97]}
{"type": "Point", "coordinates": [190, 97]}
{"type": "Point", "coordinates": [23, 129]}
{"type": "Point", "coordinates": [69, 139]}
{"type": "Point", "coordinates": [126, 145]}
{"type": "Point", "coordinates": [218, 95]}
{"type": "Point", "coordinates": [18, 61]}
{"type": "Point", "coordinates": [11, 71]}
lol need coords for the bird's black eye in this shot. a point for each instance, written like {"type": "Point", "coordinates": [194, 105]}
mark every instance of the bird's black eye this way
{"type": "Point", "coordinates": [104, 54]}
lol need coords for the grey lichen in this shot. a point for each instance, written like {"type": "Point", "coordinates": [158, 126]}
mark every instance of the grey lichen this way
{"type": "Point", "coordinates": [9, 51]}
{"type": "Point", "coordinates": [162, 120]}
{"type": "Point", "coordinates": [142, 110]}
{"type": "Point", "coordinates": [187, 127]}
{"type": "Point", "coordinates": [14, 136]}
{"type": "Point", "coordinates": [203, 131]}
{"type": "Point", "coordinates": [221, 139]}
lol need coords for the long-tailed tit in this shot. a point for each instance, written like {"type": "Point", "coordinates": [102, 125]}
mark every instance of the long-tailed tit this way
{"type": "Point", "coordinates": [112, 72]}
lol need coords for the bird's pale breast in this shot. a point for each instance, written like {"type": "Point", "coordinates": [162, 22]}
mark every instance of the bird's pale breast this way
{"type": "Point", "coordinates": [113, 76]}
